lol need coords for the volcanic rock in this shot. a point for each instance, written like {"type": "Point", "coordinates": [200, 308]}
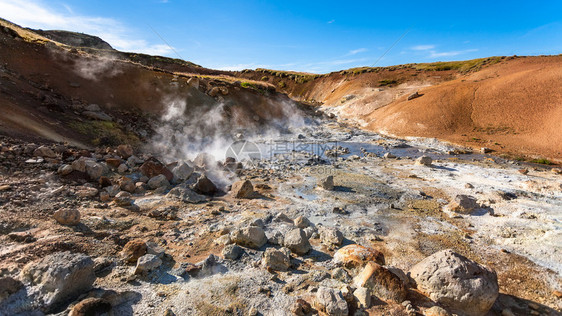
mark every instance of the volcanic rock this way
{"type": "Point", "coordinates": [243, 189]}
{"type": "Point", "coordinates": [464, 204]}
{"type": "Point", "coordinates": [331, 302]}
{"type": "Point", "coordinates": [147, 263]}
{"type": "Point", "coordinates": [251, 237]}
{"type": "Point", "coordinates": [384, 284]}
{"type": "Point", "coordinates": [66, 216]}
{"type": "Point", "coordinates": [424, 161]}
{"type": "Point", "coordinates": [353, 256]}
{"type": "Point", "coordinates": [297, 241]}
{"type": "Point", "coordinates": [133, 250]}
{"type": "Point", "coordinates": [277, 259]}
{"type": "Point", "coordinates": [459, 284]}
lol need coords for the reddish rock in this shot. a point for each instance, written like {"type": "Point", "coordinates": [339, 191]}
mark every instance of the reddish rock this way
{"type": "Point", "coordinates": [124, 151]}
{"type": "Point", "coordinates": [153, 167]}
{"type": "Point", "coordinates": [113, 162]}
{"type": "Point", "coordinates": [133, 250]}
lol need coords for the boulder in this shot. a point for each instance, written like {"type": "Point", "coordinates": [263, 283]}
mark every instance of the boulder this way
{"type": "Point", "coordinates": [353, 256]}
{"type": "Point", "coordinates": [242, 189]}
{"type": "Point", "coordinates": [341, 274]}
{"type": "Point", "coordinates": [276, 259]}
{"type": "Point", "coordinates": [133, 250]}
{"type": "Point", "coordinates": [331, 302]}
{"type": "Point", "coordinates": [327, 183]}
{"type": "Point", "coordinates": [124, 151]}
{"type": "Point", "coordinates": [147, 263]}
{"type": "Point", "coordinates": [464, 204]}
{"type": "Point", "coordinates": [153, 167]}
{"type": "Point", "coordinates": [186, 195]}
{"type": "Point", "coordinates": [122, 168]}
{"type": "Point", "coordinates": [158, 182]}
{"type": "Point", "coordinates": [127, 184]}
{"type": "Point", "coordinates": [205, 161]}
{"type": "Point", "coordinates": [67, 216]}
{"type": "Point", "coordinates": [58, 278]}
{"type": "Point", "coordinates": [382, 282]}
{"type": "Point", "coordinates": [65, 170]}
{"type": "Point", "coordinates": [436, 311]}
{"type": "Point", "coordinates": [330, 236]}
{"type": "Point", "coordinates": [91, 306]}
{"type": "Point", "coordinates": [232, 252]}
{"type": "Point", "coordinates": [251, 237]}
{"type": "Point", "coordinates": [123, 199]}
{"type": "Point", "coordinates": [182, 172]}
{"type": "Point", "coordinates": [95, 170]}
{"type": "Point", "coordinates": [457, 283]}
{"type": "Point", "coordinates": [45, 152]}
{"type": "Point", "coordinates": [389, 156]}
{"type": "Point", "coordinates": [297, 241]}
{"type": "Point", "coordinates": [424, 161]}
{"type": "Point", "coordinates": [414, 95]}
{"type": "Point", "coordinates": [100, 116]}
{"type": "Point", "coordinates": [302, 222]}
{"type": "Point", "coordinates": [113, 162]}
{"type": "Point", "coordinates": [86, 192]}
{"type": "Point", "coordinates": [205, 186]}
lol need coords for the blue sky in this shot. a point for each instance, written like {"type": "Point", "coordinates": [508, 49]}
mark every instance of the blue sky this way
{"type": "Point", "coordinates": [311, 36]}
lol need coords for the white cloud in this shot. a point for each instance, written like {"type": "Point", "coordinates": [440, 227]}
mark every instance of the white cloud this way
{"type": "Point", "coordinates": [357, 51]}
{"type": "Point", "coordinates": [435, 54]}
{"type": "Point", "coordinates": [331, 21]}
{"type": "Point", "coordinates": [36, 14]}
{"type": "Point", "coordinates": [423, 47]}
{"type": "Point", "coordinates": [238, 67]}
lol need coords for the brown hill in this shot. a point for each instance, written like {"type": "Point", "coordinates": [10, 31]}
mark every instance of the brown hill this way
{"type": "Point", "coordinates": [508, 104]}
{"type": "Point", "coordinates": [48, 90]}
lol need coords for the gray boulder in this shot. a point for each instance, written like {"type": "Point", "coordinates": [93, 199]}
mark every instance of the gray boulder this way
{"type": "Point", "coordinates": [58, 277]}
{"type": "Point", "coordinates": [186, 195]}
{"type": "Point", "coordinates": [424, 161]}
{"type": "Point", "coordinates": [147, 263]}
{"type": "Point", "coordinates": [457, 283]}
{"type": "Point", "coordinates": [158, 182]}
{"type": "Point", "coordinates": [331, 302]}
{"type": "Point", "coordinates": [251, 237]}
{"type": "Point", "coordinates": [464, 204]}
{"type": "Point", "coordinates": [277, 259]}
{"type": "Point", "coordinates": [297, 241]}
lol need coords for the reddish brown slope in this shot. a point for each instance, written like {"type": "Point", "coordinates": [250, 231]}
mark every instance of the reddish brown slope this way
{"type": "Point", "coordinates": [514, 106]}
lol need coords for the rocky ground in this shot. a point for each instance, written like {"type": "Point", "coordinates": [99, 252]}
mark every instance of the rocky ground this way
{"type": "Point", "coordinates": [345, 223]}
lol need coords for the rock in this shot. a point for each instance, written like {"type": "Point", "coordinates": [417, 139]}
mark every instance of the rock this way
{"type": "Point", "coordinates": [59, 277]}
{"type": "Point", "coordinates": [158, 182]}
{"type": "Point", "coordinates": [436, 311]}
{"type": "Point", "coordinates": [182, 172]}
{"type": "Point", "coordinates": [464, 204]}
{"type": "Point", "coordinates": [330, 236]}
{"type": "Point", "coordinates": [424, 161]}
{"type": "Point", "coordinates": [127, 184]}
{"type": "Point", "coordinates": [193, 82]}
{"type": "Point", "coordinates": [302, 222]}
{"type": "Point", "coordinates": [133, 250]}
{"type": "Point", "coordinates": [124, 151]}
{"type": "Point", "coordinates": [414, 95]}
{"type": "Point", "coordinates": [353, 256]}
{"type": "Point", "coordinates": [79, 164]}
{"type": "Point", "coordinates": [122, 168]}
{"type": "Point", "coordinates": [363, 297]}
{"type": "Point", "coordinates": [94, 170]}
{"type": "Point", "coordinates": [331, 302]}
{"type": "Point", "coordinates": [276, 259]}
{"type": "Point", "coordinates": [147, 263]}
{"type": "Point", "coordinates": [389, 156]}
{"type": "Point", "coordinates": [297, 241]}
{"type": "Point", "coordinates": [86, 192]}
{"type": "Point", "coordinates": [232, 252]}
{"type": "Point", "coordinates": [154, 249]}
{"type": "Point", "coordinates": [100, 116]}
{"type": "Point", "coordinates": [341, 275]}
{"type": "Point", "coordinates": [134, 160]}
{"type": "Point", "coordinates": [113, 162]}
{"type": "Point", "coordinates": [523, 171]}
{"type": "Point", "coordinates": [251, 237]}
{"type": "Point", "coordinates": [45, 152]}
{"type": "Point", "coordinates": [205, 161]}
{"type": "Point", "coordinates": [301, 308]}
{"type": "Point", "coordinates": [327, 183]}
{"type": "Point", "coordinates": [8, 286]}
{"type": "Point", "coordinates": [91, 306]}
{"type": "Point", "coordinates": [276, 238]}
{"type": "Point", "coordinates": [485, 150]}
{"type": "Point", "coordinates": [153, 167]}
{"type": "Point", "coordinates": [242, 189]}
{"type": "Point", "coordinates": [384, 284]}
{"type": "Point", "coordinates": [123, 199]}
{"type": "Point", "coordinates": [65, 170]}
{"type": "Point", "coordinates": [205, 186]}
{"type": "Point", "coordinates": [66, 216]}
{"type": "Point", "coordinates": [92, 107]}
{"type": "Point", "coordinates": [459, 284]}
{"type": "Point", "coordinates": [282, 218]}
{"type": "Point", "coordinates": [186, 195]}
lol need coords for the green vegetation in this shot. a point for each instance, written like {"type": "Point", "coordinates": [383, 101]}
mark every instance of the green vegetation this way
{"type": "Point", "coordinates": [387, 82]}
{"type": "Point", "coordinates": [281, 84]}
{"type": "Point", "coordinates": [105, 133]}
{"type": "Point", "coordinates": [299, 77]}
{"type": "Point", "coordinates": [461, 66]}
{"type": "Point", "coordinates": [248, 85]}
{"type": "Point", "coordinates": [542, 161]}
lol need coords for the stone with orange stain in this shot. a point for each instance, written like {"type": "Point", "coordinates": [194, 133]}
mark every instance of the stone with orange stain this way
{"type": "Point", "coordinates": [353, 256]}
